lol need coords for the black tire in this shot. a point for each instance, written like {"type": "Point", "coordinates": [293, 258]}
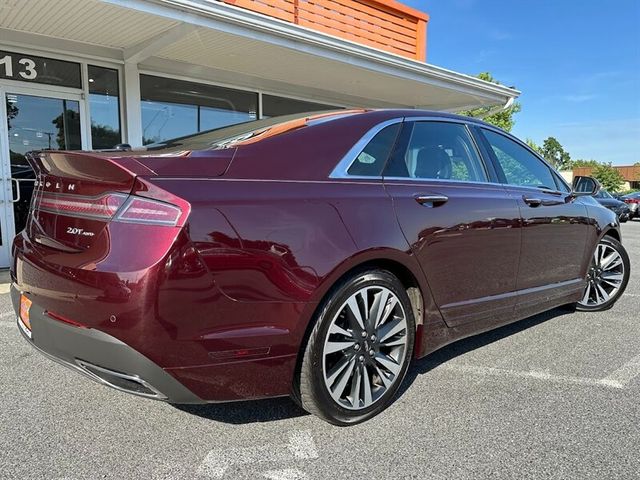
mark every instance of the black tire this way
{"type": "Point", "coordinates": [314, 395]}
{"type": "Point", "coordinates": [610, 242]}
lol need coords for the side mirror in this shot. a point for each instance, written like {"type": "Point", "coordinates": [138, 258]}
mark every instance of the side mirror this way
{"type": "Point", "coordinates": [584, 186]}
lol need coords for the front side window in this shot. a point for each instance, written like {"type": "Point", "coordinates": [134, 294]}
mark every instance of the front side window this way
{"type": "Point", "coordinates": [437, 150]}
{"type": "Point", "coordinates": [521, 167]}
{"type": "Point", "coordinates": [371, 161]}
{"type": "Point", "coordinates": [176, 108]}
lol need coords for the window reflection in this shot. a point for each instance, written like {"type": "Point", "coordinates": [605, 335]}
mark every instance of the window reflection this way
{"type": "Point", "coordinates": [175, 108]}
{"type": "Point", "coordinates": [37, 123]}
{"type": "Point", "coordinates": [105, 107]}
{"type": "Point", "coordinates": [40, 123]}
{"type": "Point", "coordinates": [272, 106]}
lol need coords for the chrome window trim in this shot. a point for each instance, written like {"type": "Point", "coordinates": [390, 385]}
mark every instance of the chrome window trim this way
{"type": "Point", "coordinates": [341, 169]}
{"type": "Point", "coordinates": [442, 180]}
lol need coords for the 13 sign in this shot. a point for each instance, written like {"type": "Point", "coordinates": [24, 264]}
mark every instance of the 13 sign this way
{"type": "Point", "coordinates": [29, 73]}
{"type": "Point", "coordinates": [31, 68]}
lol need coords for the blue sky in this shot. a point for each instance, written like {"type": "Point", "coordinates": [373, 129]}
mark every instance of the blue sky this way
{"type": "Point", "coordinates": [577, 64]}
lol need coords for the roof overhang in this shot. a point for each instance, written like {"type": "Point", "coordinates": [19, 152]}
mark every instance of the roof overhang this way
{"type": "Point", "coordinates": [229, 45]}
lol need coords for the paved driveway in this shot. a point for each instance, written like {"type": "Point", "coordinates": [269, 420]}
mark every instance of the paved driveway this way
{"type": "Point", "coordinates": [553, 396]}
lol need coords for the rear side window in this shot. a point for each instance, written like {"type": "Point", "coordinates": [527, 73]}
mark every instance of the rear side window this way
{"type": "Point", "coordinates": [437, 150]}
{"type": "Point", "coordinates": [520, 167]}
{"type": "Point", "coordinates": [371, 161]}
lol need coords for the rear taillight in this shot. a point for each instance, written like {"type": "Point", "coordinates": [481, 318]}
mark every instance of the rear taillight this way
{"type": "Point", "coordinates": [101, 208]}
{"type": "Point", "coordinates": [143, 210]}
{"type": "Point", "coordinates": [632, 200]}
{"type": "Point", "coordinates": [111, 206]}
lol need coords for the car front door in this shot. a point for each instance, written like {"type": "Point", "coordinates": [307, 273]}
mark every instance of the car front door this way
{"type": "Point", "coordinates": [462, 226]}
{"type": "Point", "coordinates": [555, 225]}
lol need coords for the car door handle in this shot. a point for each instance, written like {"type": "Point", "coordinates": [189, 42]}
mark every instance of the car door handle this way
{"type": "Point", "coordinates": [532, 201]}
{"type": "Point", "coordinates": [431, 200]}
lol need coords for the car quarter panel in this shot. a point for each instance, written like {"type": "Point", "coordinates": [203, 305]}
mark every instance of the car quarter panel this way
{"type": "Point", "coordinates": [273, 249]}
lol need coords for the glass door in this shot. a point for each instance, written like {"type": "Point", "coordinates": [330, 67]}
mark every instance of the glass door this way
{"type": "Point", "coordinates": [31, 120]}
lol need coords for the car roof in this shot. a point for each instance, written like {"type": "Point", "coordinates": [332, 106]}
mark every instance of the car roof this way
{"type": "Point", "coordinates": [256, 130]}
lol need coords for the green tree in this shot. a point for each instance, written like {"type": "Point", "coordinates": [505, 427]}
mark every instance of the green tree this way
{"type": "Point", "coordinates": [555, 154]}
{"type": "Point", "coordinates": [534, 145]}
{"type": "Point", "coordinates": [503, 119]}
{"type": "Point", "coordinates": [584, 163]}
{"type": "Point", "coordinates": [609, 177]}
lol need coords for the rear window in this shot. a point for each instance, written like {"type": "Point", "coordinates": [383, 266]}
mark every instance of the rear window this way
{"type": "Point", "coordinates": [371, 161]}
{"type": "Point", "coordinates": [248, 132]}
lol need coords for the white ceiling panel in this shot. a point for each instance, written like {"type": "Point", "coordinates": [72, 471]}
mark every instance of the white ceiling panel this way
{"type": "Point", "coordinates": [86, 21]}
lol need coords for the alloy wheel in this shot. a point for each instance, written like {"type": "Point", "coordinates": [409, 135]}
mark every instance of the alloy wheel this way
{"type": "Point", "coordinates": [364, 348]}
{"type": "Point", "coordinates": [605, 277]}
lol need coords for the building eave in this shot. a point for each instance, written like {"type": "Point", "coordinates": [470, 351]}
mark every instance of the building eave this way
{"type": "Point", "coordinates": [239, 21]}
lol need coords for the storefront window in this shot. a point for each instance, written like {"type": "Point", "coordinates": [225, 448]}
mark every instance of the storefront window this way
{"type": "Point", "coordinates": [273, 106]}
{"type": "Point", "coordinates": [175, 108]}
{"type": "Point", "coordinates": [105, 107]}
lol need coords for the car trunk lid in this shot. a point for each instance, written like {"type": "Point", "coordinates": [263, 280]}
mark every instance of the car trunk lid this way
{"type": "Point", "coordinates": [77, 195]}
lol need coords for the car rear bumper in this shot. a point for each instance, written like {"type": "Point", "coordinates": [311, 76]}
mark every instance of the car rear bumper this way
{"type": "Point", "coordinates": [165, 326]}
{"type": "Point", "coordinates": [101, 357]}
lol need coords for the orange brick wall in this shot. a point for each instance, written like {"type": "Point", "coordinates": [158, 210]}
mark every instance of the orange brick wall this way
{"type": "Point", "coordinates": [384, 24]}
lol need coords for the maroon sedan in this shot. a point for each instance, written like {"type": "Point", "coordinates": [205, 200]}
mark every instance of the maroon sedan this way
{"type": "Point", "coordinates": [311, 256]}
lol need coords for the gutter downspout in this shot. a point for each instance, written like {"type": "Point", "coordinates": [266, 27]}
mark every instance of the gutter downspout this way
{"type": "Point", "coordinates": [499, 108]}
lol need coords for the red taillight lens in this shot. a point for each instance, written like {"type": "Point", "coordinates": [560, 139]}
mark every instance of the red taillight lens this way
{"type": "Point", "coordinates": [116, 206]}
{"type": "Point", "coordinates": [144, 210]}
{"type": "Point", "coordinates": [632, 200]}
{"type": "Point", "coordinates": [102, 208]}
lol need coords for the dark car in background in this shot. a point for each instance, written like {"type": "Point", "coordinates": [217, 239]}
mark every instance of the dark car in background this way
{"type": "Point", "coordinates": [620, 208]}
{"type": "Point", "coordinates": [633, 200]}
{"type": "Point", "coordinates": [311, 255]}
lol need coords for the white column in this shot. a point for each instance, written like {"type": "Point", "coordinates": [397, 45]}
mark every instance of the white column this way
{"type": "Point", "coordinates": [133, 108]}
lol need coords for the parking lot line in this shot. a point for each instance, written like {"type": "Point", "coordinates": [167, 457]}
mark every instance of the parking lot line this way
{"type": "Point", "coordinates": [624, 375]}
{"type": "Point", "coordinates": [285, 474]}
{"type": "Point", "coordinates": [300, 446]}
{"type": "Point", "coordinates": [614, 382]}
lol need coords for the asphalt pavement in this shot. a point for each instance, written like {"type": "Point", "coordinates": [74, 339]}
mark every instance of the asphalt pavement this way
{"type": "Point", "coordinates": [553, 396]}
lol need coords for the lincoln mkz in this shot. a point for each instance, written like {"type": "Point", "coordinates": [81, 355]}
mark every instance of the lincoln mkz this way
{"type": "Point", "coordinates": [312, 256]}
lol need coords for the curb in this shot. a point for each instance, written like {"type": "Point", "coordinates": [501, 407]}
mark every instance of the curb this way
{"type": "Point", "coordinates": [5, 281]}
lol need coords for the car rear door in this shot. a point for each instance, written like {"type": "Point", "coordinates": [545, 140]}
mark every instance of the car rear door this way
{"type": "Point", "coordinates": [556, 228]}
{"type": "Point", "coordinates": [461, 224]}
